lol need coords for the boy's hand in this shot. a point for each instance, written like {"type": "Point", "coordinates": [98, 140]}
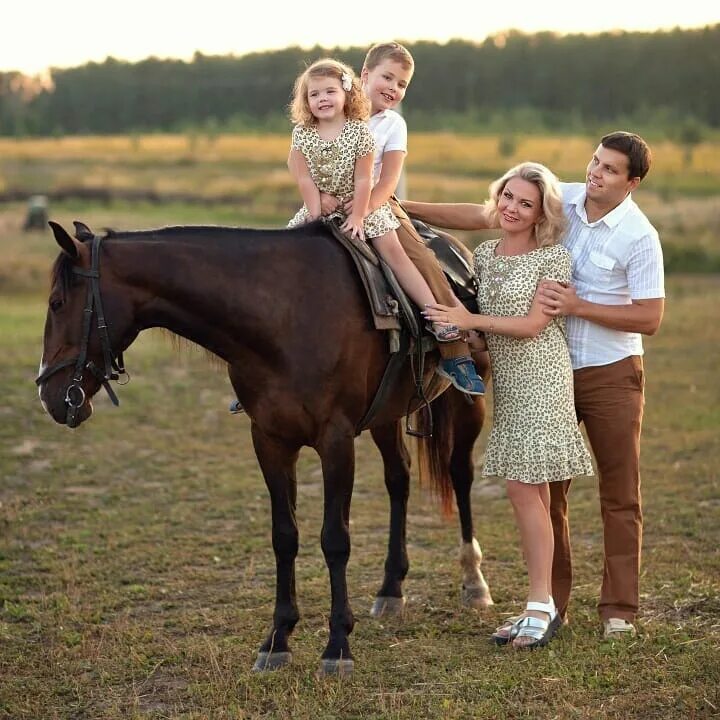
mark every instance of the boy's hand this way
{"type": "Point", "coordinates": [348, 206]}
{"type": "Point", "coordinates": [328, 203]}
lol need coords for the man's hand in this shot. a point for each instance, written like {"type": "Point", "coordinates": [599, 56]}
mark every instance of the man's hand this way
{"type": "Point", "coordinates": [558, 299]}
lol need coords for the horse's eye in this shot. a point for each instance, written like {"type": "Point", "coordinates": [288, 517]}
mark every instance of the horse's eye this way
{"type": "Point", "coordinates": [55, 305]}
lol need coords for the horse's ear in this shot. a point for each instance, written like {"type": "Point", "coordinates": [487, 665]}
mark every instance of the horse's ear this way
{"type": "Point", "coordinates": [66, 243]}
{"type": "Point", "coordinates": [82, 231]}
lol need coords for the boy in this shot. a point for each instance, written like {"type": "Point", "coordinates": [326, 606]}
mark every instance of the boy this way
{"type": "Point", "coordinates": [386, 75]}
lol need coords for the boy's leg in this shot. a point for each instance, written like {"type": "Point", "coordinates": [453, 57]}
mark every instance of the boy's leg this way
{"type": "Point", "coordinates": [458, 369]}
{"type": "Point", "coordinates": [425, 261]}
{"type": "Point", "coordinates": [408, 275]}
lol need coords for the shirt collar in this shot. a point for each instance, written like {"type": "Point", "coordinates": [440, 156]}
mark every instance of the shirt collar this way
{"type": "Point", "coordinates": [611, 219]}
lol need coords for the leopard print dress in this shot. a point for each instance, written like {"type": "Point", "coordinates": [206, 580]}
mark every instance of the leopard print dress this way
{"type": "Point", "coordinates": [332, 168]}
{"type": "Point", "coordinates": [535, 436]}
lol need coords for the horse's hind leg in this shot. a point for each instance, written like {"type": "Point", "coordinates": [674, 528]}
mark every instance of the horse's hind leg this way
{"type": "Point", "coordinates": [467, 422]}
{"type": "Point", "coordinates": [277, 462]}
{"type": "Point", "coordinates": [337, 455]}
{"type": "Point", "coordinates": [396, 460]}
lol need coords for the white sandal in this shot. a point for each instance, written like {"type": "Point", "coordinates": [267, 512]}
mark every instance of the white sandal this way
{"type": "Point", "coordinates": [540, 631]}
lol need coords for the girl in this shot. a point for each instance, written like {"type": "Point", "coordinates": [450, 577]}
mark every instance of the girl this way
{"type": "Point", "coordinates": [332, 152]}
{"type": "Point", "coordinates": [535, 438]}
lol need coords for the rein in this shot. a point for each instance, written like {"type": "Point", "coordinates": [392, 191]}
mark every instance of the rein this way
{"type": "Point", "coordinates": [114, 364]}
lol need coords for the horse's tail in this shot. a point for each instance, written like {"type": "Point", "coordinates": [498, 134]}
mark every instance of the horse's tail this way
{"type": "Point", "coordinates": [434, 453]}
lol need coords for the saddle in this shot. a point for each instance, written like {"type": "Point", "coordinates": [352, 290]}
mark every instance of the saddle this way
{"type": "Point", "coordinates": [389, 304]}
{"type": "Point", "coordinates": [393, 311]}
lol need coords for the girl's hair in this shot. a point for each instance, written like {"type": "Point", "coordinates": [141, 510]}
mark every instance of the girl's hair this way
{"type": "Point", "coordinates": [551, 224]}
{"type": "Point", "coordinates": [388, 51]}
{"type": "Point", "coordinates": [357, 105]}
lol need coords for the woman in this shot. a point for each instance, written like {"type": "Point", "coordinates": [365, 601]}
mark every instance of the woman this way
{"type": "Point", "coordinates": [535, 438]}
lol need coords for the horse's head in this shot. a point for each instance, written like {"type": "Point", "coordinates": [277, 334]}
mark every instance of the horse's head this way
{"type": "Point", "coordinates": [87, 321]}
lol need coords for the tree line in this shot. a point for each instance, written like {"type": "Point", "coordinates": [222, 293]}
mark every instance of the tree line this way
{"type": "Point", "coordinates": [513, 81]}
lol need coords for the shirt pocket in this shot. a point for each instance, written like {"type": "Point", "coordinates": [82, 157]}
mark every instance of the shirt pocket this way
{"type": "Point", "coordinates": [603, 262]}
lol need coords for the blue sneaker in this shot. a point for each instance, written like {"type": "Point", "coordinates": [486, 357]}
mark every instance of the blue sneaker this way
{"type": "Point", "coordinates": [462, 374]}
{"type": "Point", "coordinates": [236, 408]}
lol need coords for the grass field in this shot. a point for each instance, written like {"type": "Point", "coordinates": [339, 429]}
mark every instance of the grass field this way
{"type": "Point", "coordinates": [137, 575]}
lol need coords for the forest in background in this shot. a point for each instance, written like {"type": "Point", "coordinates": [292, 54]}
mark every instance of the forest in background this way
{"type": "Point", "coordinates": [661, 83]}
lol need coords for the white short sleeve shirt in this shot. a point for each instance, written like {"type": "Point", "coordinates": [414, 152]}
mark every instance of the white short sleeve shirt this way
{"type": "Point", "coordinates": [616, 260]}
{"type": "Point", "coordinates": [390, 132]}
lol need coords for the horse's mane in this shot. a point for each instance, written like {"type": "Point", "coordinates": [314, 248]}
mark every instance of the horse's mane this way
{"type": "Point", "coordinates": [183, 345]}
{"type": "Point", "coordinates": [61, 273]}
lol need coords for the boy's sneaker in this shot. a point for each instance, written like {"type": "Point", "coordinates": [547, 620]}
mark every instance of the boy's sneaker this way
{"type": "Point", "coordinates": [462, 374]}
{"type": "Point", "coordinates": [236, 408]}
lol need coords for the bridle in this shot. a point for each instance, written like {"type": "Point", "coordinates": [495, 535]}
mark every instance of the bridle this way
{"type": "Point", "coordinates": [114, 364]}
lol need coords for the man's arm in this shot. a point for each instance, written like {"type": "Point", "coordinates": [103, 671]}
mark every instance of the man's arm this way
{"type": "Point", "coordinates": [454, 216]}
{"type": "Point", "coordinates": [641, 316]}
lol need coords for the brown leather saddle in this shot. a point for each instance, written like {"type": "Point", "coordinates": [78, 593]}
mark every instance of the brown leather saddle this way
{"type": "Point", "coordinates": [393, 311]}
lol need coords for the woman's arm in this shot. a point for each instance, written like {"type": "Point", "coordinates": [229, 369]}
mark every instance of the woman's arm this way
{"type": "Point", "coordinates": [308, 190]}
{"type": "Point", "coordinates": [454, 216]}
{"type": "Point", "coordinates": [520, 326]}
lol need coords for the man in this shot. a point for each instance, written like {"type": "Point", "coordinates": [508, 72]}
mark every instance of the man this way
{"type": "Point", "coordinates": [617, 294]}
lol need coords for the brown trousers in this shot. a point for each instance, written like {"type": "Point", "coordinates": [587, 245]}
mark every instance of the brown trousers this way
{"type": "Point", "coordinates": [425, 261]}
{"type": "Point", "coordinates": [609, 400]}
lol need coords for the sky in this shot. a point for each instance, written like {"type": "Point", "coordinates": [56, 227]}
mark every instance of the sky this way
{"type": "Point", "coordinates": [38, 34]}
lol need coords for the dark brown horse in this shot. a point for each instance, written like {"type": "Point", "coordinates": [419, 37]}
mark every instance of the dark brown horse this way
{"type": "Point", "coordinates": [286, 311]}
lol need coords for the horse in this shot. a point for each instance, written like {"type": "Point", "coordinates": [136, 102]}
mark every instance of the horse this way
{"type": "Point", "coordinates": [286, 310]}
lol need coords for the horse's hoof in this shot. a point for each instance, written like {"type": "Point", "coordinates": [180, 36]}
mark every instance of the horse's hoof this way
{"type": "Point", "coordinates": [338, 668]}
{"type": "Point", "coordinates": [271, 661]}
{"type": "Point", "coordinates": [388, 607]}
{"type": "Point", "coordinates": [477, 598]}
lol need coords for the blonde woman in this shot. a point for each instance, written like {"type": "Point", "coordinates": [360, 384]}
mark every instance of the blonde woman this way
{"type": "Point", "coordinates": [535, 438]}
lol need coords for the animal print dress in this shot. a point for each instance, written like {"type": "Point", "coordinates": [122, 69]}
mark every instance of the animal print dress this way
{"type": "Point", "coordinates": [535, 436]}
{"type": "Point", "coordinates": [332, 168]}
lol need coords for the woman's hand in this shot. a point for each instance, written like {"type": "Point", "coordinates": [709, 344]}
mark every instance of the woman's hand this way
{"type": "Point", "coordinates": [354, 227]}
{"type": "Point", "coordinates": [459, 316]}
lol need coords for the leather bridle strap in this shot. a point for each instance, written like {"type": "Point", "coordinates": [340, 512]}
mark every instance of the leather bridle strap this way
{"type": "Point", "coordinates": [114, 365]}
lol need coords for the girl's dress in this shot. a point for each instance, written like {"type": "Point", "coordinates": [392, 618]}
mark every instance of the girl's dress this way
{"type": "Point", "coordinates": [535, 436]}
{"type": "Point", "coordinates": [332, 168]}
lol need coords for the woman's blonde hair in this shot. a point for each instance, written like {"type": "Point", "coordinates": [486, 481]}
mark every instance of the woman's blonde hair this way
{"type": "Point", "coordinates": [357, 105]}
{"type": "Point", "coordinates": [551, 224]}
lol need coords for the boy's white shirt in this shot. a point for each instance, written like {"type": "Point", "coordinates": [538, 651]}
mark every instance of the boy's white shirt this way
{"type": "Point", "coordinates": [390, 132]}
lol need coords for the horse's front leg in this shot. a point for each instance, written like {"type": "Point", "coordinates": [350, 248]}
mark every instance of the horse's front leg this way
{"type": "Point", "coordinates": [337, 455]}
{"type": "Point", "coordinates": [277, 462]}
{"type": "Point", "coordinates": [396, 460]}
{"type": "Point", "coordinates": [467, 422]}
